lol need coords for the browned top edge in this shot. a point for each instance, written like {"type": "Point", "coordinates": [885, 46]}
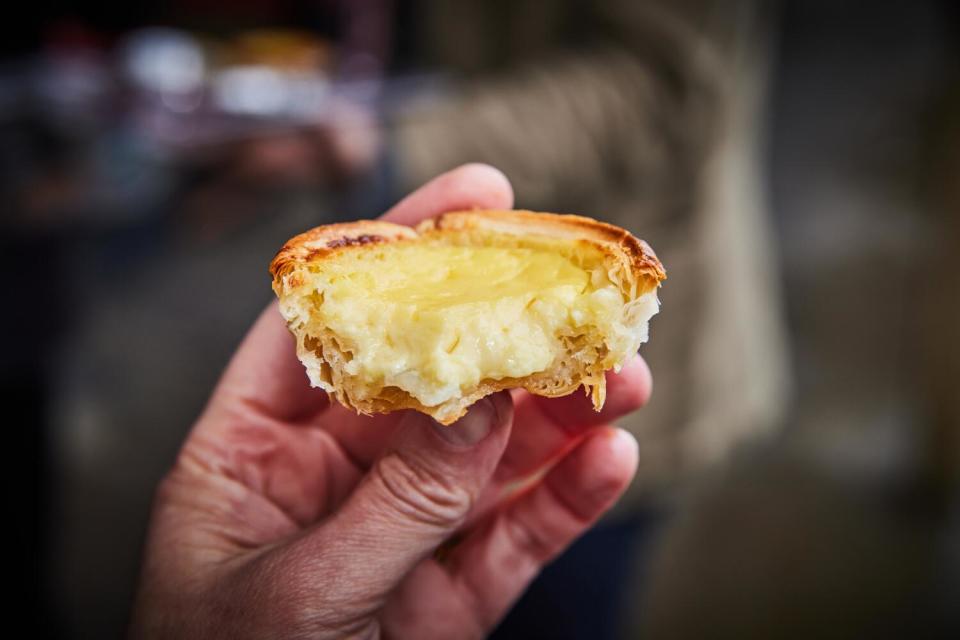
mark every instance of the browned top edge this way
{"type": "Point", "coordinates": [326, 240]}
{"type": "Point", "coordinates": [643, 261]}
{"type": "Point", "coordinates": [323, 241]}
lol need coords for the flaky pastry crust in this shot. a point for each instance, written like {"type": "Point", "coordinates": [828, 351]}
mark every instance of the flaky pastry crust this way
{"type": "Point", "coordinates": [630, 263]}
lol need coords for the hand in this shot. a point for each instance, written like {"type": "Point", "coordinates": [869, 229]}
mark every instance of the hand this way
{"type": "Point", "coordinates": [286, 516]}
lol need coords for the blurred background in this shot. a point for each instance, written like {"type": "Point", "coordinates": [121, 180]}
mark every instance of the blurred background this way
{"type": "Point", "coordinates": [795, 164]}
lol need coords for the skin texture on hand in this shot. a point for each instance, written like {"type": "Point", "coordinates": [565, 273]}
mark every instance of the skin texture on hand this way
{"type": "Point", "coordinates": [286, 516]}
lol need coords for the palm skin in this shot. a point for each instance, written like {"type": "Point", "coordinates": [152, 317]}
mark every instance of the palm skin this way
{"type": "Point", "coordinates": [287, 516]}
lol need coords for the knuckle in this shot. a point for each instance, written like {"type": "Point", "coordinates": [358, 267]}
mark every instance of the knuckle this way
{"type": "Point", "coordinates": [420, 493]}
{"type": "Point", "coordinates": [531, 541]}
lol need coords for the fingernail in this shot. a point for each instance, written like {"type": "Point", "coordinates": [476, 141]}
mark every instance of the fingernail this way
{"type": "Point", "coordinates": [473, 427]}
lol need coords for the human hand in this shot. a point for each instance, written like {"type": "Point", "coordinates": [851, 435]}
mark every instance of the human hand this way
{"type": "Point", "coordinates": [289, 516]}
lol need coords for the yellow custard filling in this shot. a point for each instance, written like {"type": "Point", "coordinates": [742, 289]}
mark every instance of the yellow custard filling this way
{"type": "Point", "coordinates": [435, 319]}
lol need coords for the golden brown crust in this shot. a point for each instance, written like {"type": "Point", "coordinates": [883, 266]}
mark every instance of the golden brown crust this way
{"type": "Point", "coordinates": [642, 260]}
{"type": "Point", "coordinates": [631, 262]}
{"type": "Point", "coordinates": [324, 241]}
{"type": "Point", "coordinates": [320, 242]}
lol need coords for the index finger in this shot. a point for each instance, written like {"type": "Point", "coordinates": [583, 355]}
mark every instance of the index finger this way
{"type": "Point", "coordinates": [470, 186]}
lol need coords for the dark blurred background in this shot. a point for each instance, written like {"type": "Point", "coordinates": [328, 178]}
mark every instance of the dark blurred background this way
{"type": "Point", "coordinates": [795, 164]}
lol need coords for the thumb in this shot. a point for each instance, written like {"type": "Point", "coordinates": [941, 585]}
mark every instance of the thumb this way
{"type": "Point", "coordinates": [416, 495]}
